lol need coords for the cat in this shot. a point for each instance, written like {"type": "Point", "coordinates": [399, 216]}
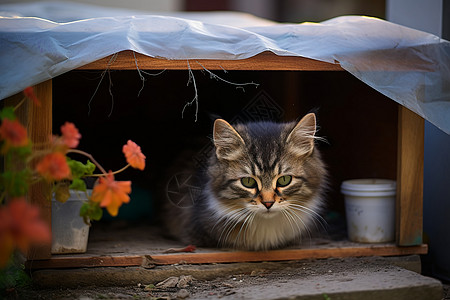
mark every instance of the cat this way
{"type": "Point", "coordinates": [263, 187]}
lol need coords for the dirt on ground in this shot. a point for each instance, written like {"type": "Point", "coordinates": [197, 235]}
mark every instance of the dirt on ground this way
{"type": "Point", "coordinates": [258, 282]}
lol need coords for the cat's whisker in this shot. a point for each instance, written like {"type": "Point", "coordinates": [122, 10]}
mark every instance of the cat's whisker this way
{"type": "Point", "coordinates": [249, 223]}
{"type": "Point", "coordinates": [230, 218]}
{"type": "Point", "coordinates": [244, 226]}
{"type": "Point", "coordinates": [231, 223]}
{"type": "Point", "coordinates": [247, 227]}
{"type": "Point", "coordinates": [225, 214]}
{"type": "Point", "coordinates": [225, 219]}
{"type": "Point", "coordinates": [316, 217]}
{"type": "Point", "coordinates": [291, 221]}
{"type": "Point", "coordinates": [299, 218]}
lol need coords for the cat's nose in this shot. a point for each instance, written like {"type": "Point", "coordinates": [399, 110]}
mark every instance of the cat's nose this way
{"type": "Point", "coordinates": [268, 204]}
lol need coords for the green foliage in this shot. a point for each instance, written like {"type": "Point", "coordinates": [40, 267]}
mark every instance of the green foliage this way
{"type": "Point", "coordinates": [15, 179]}
{"type": "Point", "coordinates": [15, 182]}
{"type": "Point", "coordinates": [21, 152]}
{"type": "Point", "coordinates": [13, 276]}
{"type": "Point", "coordinates": [61, 192]}
{"type": "Point", "coordinates": [79, 170]}
{"type": "Point", "coordinates": [8, 113]}
{"type": "Point", "coordinates": [91, 211]}
{"type": "Point", "coordinates": [78, 184]}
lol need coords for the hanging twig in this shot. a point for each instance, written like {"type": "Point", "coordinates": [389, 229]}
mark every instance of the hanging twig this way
{"type": "Point", "coordinates": [214, 76]}
{"type": "Point", "coordinates": [143, 79]}
{"type": "Point", "coordinates": [111, 61]}
{"type": "Point", "coordinates": [195, 99]}
{"type": "Point", "coordinates": [110, 92]}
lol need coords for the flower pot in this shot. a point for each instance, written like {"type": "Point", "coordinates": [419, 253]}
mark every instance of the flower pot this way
{"type": "Point", "coordinates": [370, 209]}
{"type": "Point", "coordinates": [69, 232]}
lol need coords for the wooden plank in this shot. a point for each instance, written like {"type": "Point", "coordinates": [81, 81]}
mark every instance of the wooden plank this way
{"type": "Point", "coordinates": [39, 128]}
{"type": "Point", "coordinates": [129, 60]}
{"type": "Point", "coordinates": [409, 205]}
{"type": "Point", "coordinates": [223, 257]}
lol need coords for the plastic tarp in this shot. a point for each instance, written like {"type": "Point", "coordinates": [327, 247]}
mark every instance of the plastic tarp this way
{"type": "Point", "coordinates": [42, 40]}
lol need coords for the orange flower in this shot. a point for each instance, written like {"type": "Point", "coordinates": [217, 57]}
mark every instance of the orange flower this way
{"type": "Point", "coordinates": [29, 93]}
{"type": "Point", "coordinates": [70, 135]}
{"type": "Point", "coordinates": [53, 166]}
{"type": "Point", "coordinates": [13, 133]}
{"type": "Point", "coordinates": [20, 226]}
{"type": "Point", "coordinates": [111, 194]}
{"type": "Point", "coordinates": [134, 155]}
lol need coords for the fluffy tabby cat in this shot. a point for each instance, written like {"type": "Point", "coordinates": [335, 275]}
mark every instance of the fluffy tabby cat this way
{"type": "Point", "coordinates": [262, 189]}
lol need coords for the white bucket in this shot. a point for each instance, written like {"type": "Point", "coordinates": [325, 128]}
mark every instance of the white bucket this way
{"type": "Point", "coordinates": [69, 232]}
{"type": "Point", "coordinates": [370, 209]}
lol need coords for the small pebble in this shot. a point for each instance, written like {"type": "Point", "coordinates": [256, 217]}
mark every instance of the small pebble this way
{"type": "Point", "coordinates": [182, 294]}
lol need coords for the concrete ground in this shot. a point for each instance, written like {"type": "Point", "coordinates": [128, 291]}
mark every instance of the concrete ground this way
{"type": "Point", "coordinates": [347, 278]}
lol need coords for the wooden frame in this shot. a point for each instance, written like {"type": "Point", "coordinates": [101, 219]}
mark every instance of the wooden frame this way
{"type": "Point", "coordinates": [409, 168]}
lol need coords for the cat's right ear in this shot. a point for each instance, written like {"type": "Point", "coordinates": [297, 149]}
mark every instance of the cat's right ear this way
{"type": "Point", "coordinates": [229, 144]}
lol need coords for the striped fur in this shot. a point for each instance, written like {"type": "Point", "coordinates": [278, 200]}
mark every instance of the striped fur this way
{"type": "Point", "coordinates": [266, 216]}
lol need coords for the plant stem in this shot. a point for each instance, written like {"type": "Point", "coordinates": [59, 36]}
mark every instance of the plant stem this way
{"type": "Point", "coordinates": [20, 103]}
{"type": "Point", "coordinates": [90, 157]}
{"type": "Point", "coordinates": [113, 173]}
{"type": "Point", "coordinates": [123, 169]}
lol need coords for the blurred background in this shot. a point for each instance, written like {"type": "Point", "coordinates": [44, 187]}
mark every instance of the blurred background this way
{"type": "Point", "coordinates": [277, 10]}
{"type": "Point", "coordinates": [432, 16]}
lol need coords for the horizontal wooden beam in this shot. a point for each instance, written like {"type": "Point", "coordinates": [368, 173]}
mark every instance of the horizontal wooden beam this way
{"type": "Point", "coordinates": [129, 60]}
{"type": "Point", "coordinates": [222, 257]}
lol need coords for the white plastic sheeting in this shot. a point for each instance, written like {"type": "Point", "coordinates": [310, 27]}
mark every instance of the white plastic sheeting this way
{"type": "Point", "coordinates": [43, 40]}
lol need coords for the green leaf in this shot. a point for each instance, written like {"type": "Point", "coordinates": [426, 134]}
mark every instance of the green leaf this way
{"type": "Point", "coordinates": [149, 287]}
{"type": "Point", "coordinates": [15, 183]}
{"type": "Point", "coordinates": [62, 193]}
{"type": "Point", "coordinates": [79, 169]}
{"type": "Point", "coordinates": [78, 184]}
{"type": "Point", "coordinates": [84, 209]}
{"type": "Point", "coordinates": [23, 151]}
{"type": "Point", "coordinates": [97, 213]}
{"type": "Point", "coordinates": [91, 211]}
{"type": "Point", "coordinates": [7, 113]}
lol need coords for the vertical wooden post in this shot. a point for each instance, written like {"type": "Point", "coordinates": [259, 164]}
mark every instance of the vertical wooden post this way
{"type": "Point", "coordinates": [39, 126]}
{"type": "Point", "coordinates": [409, 208]}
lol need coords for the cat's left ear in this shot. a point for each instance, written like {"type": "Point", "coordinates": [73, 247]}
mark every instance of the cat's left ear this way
{"type": "Point", "coordinates": [229, 144]}
{"type": "Point", "coordinates": [301, 138]}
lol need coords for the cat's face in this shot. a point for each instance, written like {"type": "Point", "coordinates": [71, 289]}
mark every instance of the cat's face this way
{"type": "Point", "coordinates": [266, 174]}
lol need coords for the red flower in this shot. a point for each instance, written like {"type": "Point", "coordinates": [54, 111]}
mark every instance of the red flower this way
{"type": "Point", "coordinates": [111, 194]}
{"type": "Point", "coordinates": [29, 93]}
{"type": "Point", "coordinates": [53, 166]}
{"type": "Point", "coordinates": [134, 155]}
{"type": "Point", "coordinates": [70, 135]}
{"type": "Point", "coordinates": [13, 133]}
{"type": "Point", "coordinates": [20, 226]}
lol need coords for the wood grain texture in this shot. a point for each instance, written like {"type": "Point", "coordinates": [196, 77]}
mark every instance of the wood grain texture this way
{"type": "Point", "coordinates": [223, 257]}
{"type": "Point", "coordinates": [125, 60]}
{"type": "Point", "coordinates": [409, 205]}
{"type": "Point", "coordinates": [39, 128]}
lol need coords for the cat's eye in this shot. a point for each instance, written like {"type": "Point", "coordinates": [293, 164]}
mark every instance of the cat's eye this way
{"type": "Point", "coordinates": [284, 180]}
{"type": "Point", "coordinates": [248, 182]}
